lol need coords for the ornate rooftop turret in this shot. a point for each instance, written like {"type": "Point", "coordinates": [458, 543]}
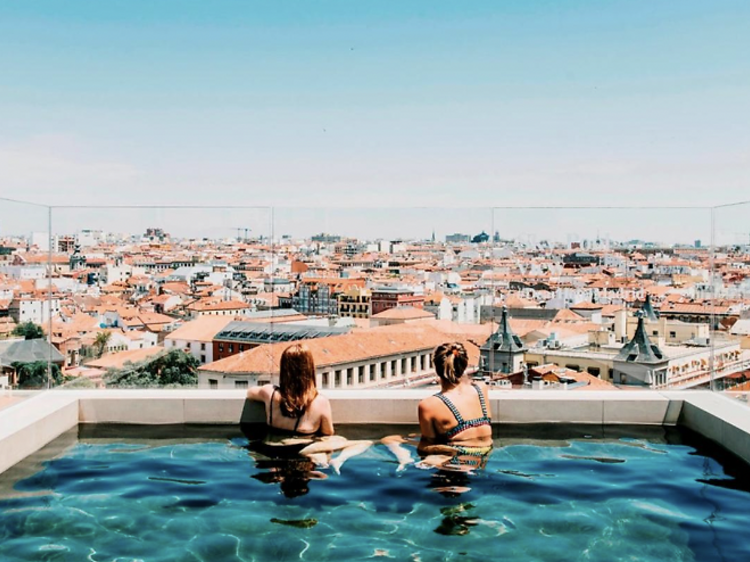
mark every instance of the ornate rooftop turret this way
{"type": "Point", "coordinates": [504, 350]}
{"type": "Point", "coordinates": [648, 310]}
{"type": "Point", "coordinates": [640, 349]}
{"type": "Point", "coordinates": [504, 339]}
{"type": "Point", "coordinates": [77, 261]}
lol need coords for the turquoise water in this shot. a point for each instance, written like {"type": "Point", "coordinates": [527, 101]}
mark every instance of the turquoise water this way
{"type": "Point", "coordinates": [656, 496]}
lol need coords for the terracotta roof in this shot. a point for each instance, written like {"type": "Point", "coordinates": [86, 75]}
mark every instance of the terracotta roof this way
{"type": "Point", "coordinates": [347, 348]}
{"type": "Point", "coordinates": [586, 306]}
{"type": "Point", "coordinates": [208, 305]}
{"type": "Point", "coordinates": [402, 313]}
{"type": "Point", "coordinates": [118, 360]}
{"type": "Point", "coordinates": [201, 329]}
{"type": "Point", "coordinates": [567, 315]}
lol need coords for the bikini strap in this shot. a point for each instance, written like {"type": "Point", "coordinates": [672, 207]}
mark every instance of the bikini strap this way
{"type": "Point", "coordinates": [451, 407]}
{"type": "Point", "coordinates": [481, 399]}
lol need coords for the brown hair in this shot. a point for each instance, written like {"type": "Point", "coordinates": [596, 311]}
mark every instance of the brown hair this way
{"type": "Point", "coordinates": [450, 360]}
{"type": "Point", "coordinates": [297, 380]}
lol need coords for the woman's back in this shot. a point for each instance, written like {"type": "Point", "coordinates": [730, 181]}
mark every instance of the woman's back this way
{"type": "Point", "coordinates": [458, 414]}
{"type": "Point", "coordinates": [315, 419]}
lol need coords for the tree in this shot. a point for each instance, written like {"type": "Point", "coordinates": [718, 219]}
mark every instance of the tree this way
{"type": "Point", "coordinates": [101, 341]}
{"type": "Point", "coordinates": [34, 375]}
{"type": "Point", "coordinates": [175, 368]}
{"type": "Point", "coordinates": [28, 331]}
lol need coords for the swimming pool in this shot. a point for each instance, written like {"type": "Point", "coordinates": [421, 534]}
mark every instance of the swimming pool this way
{"type": "Point", "coordinates": [544, 494]}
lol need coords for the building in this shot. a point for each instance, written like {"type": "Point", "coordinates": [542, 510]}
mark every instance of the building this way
{"type": "Point", "coordinates": [640, 361]}
{"type": "Point", "coordinates": [457, 238]}
{"type": "Point", "coordinates": [401, 315]}
{"type": "Point", "coordinates": [197, 337]}
{"type": "Point", "coordinates": [217, 307]}
{"type": "Point", "coordinates": [355, 302]}
{"type": "Point", "coordinates": [26, 351]}
{"type": "Point", "coordinates": [35, 309]}
{"type": "Point", "coordinates": [384, 298]}
{"type": "Point", "coordinates": [238, 337]}
{"type": "Point", "coordinates": [319, 296]}
{"type": "Point", "coordinates": [504, 351]}
{"type": "Point", "coordinates": [379, 357]}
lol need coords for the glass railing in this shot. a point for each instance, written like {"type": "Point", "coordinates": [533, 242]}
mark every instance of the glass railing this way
{"type": "Point", "coordinates": [540, 298]}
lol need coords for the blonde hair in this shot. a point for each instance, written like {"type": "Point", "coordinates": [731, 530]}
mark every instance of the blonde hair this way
{"type": "Point", "coordinates": [296, 380]}
{"type": "Point", "coordinates": [450, 360]}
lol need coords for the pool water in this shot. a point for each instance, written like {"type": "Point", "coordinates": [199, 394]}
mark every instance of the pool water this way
{"type": "Point", "coordinates": [649, 496]}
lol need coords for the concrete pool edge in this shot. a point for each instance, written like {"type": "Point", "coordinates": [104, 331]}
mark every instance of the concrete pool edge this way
{"type": "Point", "coordinates": [28, 426]}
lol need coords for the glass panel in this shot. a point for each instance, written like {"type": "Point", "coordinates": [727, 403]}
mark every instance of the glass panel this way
{"type": "Point", "coordinates": [601, 297]}
{"type": "Point", "coordinates": [729, 295]}
{"type": "Point", "coordinates": [151, 294]}
{"type": "Point", "coordinates": [387, 286]}
{"type": "Point", "coordinates": [27, 360]}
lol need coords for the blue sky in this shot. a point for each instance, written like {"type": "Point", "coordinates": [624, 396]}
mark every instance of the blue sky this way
{"type": "Point", "coordinates": [372, 104]}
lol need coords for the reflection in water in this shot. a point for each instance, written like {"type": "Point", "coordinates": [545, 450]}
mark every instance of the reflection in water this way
{"type": "Point", "coordinates": [291, 473]}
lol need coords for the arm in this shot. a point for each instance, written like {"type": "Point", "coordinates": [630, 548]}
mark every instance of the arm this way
{"type": "Point", "coordinates": [485, 393]}
{"type": "Point", "coordinates": [426, 427]}
{"type": "Point", "coordinates": [326, 418]}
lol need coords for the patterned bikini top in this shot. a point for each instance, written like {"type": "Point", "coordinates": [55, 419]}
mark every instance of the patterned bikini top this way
{"type": "Point", "coordinates": [462, 423]}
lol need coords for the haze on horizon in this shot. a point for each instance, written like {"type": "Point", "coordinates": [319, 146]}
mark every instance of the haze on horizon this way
{"type": "Point", "coordinates": [342, 104]}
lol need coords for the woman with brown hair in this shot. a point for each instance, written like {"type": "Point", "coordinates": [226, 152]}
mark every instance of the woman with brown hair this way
{"type": "Point", "coordinates": [295, 408]}
{"type": "Point", "coordinates": [456, 421]}
{"type": "Point", "coordinates": [296, 414]}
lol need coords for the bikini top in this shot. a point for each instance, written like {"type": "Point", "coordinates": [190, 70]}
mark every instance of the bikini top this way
{"type": "Point", "coordinates": [463, 424]}
{"type": "Point", "coordinates": [278, 430]}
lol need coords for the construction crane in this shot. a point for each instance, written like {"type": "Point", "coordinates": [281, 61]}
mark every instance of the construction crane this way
{"type": "Point", "coordinates": [239, 230]}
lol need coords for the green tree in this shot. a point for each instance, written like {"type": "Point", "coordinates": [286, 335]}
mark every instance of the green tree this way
{"type": "Point", "coordinates": [101, 341]}
{"type": "Point", "coordinates": [34, 375]}
{"type": "Point", "coordinates": [175, 368]}
{"type": "Point", "coordinates": [28, 331]}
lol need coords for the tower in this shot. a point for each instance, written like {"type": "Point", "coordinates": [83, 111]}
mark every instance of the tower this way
{"type": "Point", "coordinates": [503, 351]}
{"type": "Point", "coordinates": [640, 362]}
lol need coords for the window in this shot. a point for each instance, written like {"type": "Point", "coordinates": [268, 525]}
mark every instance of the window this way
{"type": "Point", "coordinates": [221, 347]}
{"type": "Point", "coordinates": [361, 377]}
{"type": "Point", "coordinates": [573, 367]}
{"type": "Point", "coordinates": [594, 371]}
{"type": "Point", "coordinates": [231, 348]}
{"type": "Point", "coordinates": [372, 373]}
{"type": "Point", "coordinates": [203, 358]}
{"type": "Point", "coordinates": [349, 376]}
{"type": "Point", "coordinates": [213, 383]}
{"type": "Point", "coordinates": [324, 380]}
{"type": "Point", "coordinates": [655, 333]}
{"type": "Point", "coordinates": [240, 384]}
{"type": "Point", "coordinates": [337, 379]}
{"type": "Point", "coordinates": [203, 347]}
{"type": "Point", "coordinates": [673, 334]}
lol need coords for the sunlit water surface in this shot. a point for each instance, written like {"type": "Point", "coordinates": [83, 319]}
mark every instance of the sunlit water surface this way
{"type": "Point", "coordinates": [560, 499]}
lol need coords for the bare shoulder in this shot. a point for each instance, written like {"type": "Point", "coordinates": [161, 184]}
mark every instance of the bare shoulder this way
{"type": "Point", "coordinates": [260, 393]}
{"type": "Point", "coordinates": [428, 404]}
{"type": "Point", "coordinates": [321, 403]}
